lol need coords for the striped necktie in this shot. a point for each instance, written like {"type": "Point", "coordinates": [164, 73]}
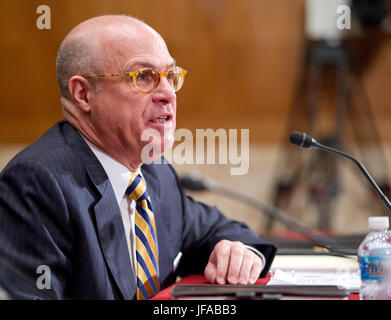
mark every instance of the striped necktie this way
{"type": "Point", "coordinates": [146, 241]}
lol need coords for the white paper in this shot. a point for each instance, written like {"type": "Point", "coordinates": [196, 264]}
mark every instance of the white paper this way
{"type": "Point", "coordinates": [347, 279]}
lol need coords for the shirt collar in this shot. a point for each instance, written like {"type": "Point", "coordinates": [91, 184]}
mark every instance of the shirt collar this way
{"type": "Point", "coordinates": [117, 173]}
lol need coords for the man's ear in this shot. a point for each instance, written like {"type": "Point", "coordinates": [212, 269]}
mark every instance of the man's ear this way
{"type": "Point", "coordinates": [80, 89]}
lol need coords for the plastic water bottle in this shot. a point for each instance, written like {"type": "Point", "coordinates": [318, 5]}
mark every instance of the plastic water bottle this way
{"type": "Point", "coordinates": [385, 285]}
{"type": "Point", "coordinates": [374, 254]}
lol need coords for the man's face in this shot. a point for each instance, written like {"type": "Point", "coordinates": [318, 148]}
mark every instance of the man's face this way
{"type": "Point", "coordinates": [123, 116]}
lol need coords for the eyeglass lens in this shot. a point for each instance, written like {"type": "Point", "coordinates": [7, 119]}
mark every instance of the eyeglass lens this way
{"type": "Point", "coordinates": [148, 79]}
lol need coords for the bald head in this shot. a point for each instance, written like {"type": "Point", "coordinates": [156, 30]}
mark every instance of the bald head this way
{"type": "Point", "coordinates": [97, 43]}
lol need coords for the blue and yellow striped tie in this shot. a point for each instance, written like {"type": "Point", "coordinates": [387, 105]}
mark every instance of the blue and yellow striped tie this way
{"type": "Point", "coordinates": [146, 240]}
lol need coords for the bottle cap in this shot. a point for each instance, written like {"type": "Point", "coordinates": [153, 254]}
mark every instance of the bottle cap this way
{"type": "Point", "coordinates": [378, 223]}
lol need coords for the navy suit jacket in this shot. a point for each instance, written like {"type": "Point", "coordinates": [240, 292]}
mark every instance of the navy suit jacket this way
{"type": "Point", "coordinates": [58, 209]}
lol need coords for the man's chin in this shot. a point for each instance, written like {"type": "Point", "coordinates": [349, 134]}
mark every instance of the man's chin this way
{"type": "Point", "coordinates": [152, 152]}
{"type": "Point", "coordinates": [166, 147]}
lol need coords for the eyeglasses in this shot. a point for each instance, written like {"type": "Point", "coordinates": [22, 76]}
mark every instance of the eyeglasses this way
{"type": "Point", "coordinates": [146, 80]}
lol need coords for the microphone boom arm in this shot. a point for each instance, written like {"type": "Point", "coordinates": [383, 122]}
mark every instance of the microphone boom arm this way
{"type": "Point", "coordinates": [196, 183]}
{"type": "Point", "coordinates": [282, 217]}
{"type": "Point", "coordinates": [361, 167]}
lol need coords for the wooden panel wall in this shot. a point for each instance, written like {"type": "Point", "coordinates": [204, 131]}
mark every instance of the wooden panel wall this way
{"type": "Point", "coordinates": [242, 57]}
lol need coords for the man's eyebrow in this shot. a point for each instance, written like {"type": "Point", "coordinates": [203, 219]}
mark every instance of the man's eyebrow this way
{"type": "Point", "coordinates": [144, 64]}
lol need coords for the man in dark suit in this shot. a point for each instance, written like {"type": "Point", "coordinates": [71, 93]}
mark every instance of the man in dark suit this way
{"type": "Point", "coordinates": [69, 222]}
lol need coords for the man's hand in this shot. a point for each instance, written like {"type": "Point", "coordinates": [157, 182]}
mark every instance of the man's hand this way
{"type": "Point", "coordinates": [231, 262]}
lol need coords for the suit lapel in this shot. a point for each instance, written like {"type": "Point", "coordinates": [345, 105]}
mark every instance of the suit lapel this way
{"type": "Point", "coordinates": [107, 214]}
{"type": "Point", "coordinates": [113, 241]}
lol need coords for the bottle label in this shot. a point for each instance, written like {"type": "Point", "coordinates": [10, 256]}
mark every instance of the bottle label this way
{"type": "Point", "coordinates": [372, 267]}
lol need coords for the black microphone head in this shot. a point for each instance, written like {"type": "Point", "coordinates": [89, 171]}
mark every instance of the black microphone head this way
{"type": "Point", "coordinates": [301, 140]}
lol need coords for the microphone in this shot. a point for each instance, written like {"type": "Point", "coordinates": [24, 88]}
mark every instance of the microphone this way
{"type": "Point", "coordinates": [303, 140]}
{"type": "Point", "coordinates": [196, 182]}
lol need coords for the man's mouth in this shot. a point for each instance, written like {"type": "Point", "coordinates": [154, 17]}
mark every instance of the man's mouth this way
{"type": "Point", "coordinates": [162, 119]}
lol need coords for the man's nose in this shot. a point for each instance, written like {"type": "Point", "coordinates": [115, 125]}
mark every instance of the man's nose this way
{"type": "Point", "coordinates": [164, 92]}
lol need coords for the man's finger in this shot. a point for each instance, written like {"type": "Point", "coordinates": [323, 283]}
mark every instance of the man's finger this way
{"type": "Point", "coordinates": [210, 270]}
{"type": "Point", "coordinates": [223, 251]}
{"type": "Point", "coordinates": [247, 263]}
{"type": "Point", "coordinates": [255, 270]}
{"type": "Point", "coordinates": [235, 262]}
